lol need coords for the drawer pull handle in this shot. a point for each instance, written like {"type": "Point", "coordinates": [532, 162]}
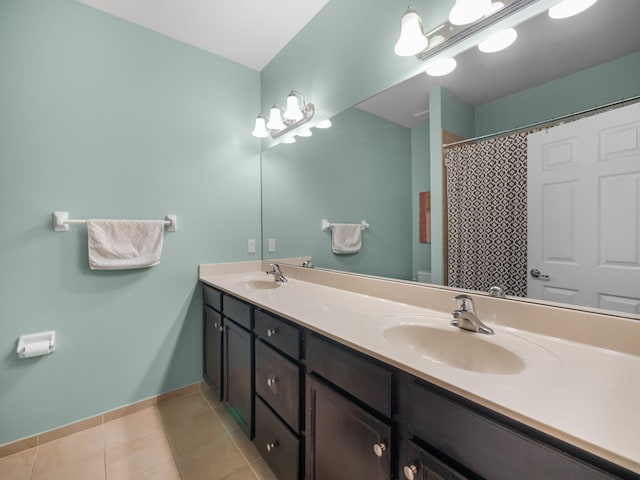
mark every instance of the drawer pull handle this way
{"type": "Point", "coordinates": [379, 449]}
{"type": "Point", "coordinates": [272, 381]}
{"type": "Point", "coordinates": [410, 471]}
{"type": "Point", "coordinates": [271, 446]}
{"type": "Point", "coordinates": [271, 333]}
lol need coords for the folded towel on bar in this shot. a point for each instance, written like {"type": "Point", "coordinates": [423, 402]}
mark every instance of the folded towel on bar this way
{"type": "Point", "coordinates": [124, 244]}
{"type": "Point", "coordinates": [346, 238]}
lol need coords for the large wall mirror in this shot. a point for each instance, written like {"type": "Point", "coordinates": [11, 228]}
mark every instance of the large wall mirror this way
{"type": "Point", "coordinates": [374, 162]}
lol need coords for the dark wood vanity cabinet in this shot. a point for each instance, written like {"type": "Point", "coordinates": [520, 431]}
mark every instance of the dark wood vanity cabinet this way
{"type": "Point", "coordinates": [349, 433]}
{"type": "Point", "coordinates": [465, 440]}
{"type": "Point", "coordinates": [278, 395]}
{"type": "Point", "coordinates": [212, 339]}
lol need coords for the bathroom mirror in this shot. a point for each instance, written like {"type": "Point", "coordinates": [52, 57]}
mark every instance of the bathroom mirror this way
{"type": "Point", "coordinates": [373, 163]}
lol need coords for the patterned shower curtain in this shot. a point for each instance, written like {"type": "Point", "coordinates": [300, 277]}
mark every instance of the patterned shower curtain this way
{"type": "Point", "coordinates": [487, 214]}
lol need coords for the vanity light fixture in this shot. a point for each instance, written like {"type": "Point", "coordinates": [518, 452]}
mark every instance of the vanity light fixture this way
{"type": "Point", "coordinates": [569, 8]}
{"type": "Point", "coordinates": [498, 41]}
{"type": "Point", "coordinates": [282, 121]}
{"type": "Point", "coordinates": [291, 139]}
{"type": "Point", "coordinates": [305, 133]}
{"type": "Point", "coordinates": [326, 123]}
{"type": "Point", "coordinates": [412, 39]}
{"type": "Point", "coordinates": [441, 67]}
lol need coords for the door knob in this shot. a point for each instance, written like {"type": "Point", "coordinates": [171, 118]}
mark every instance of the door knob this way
{"type": "Point", "coordinates": [410, 471]}
{"type": "Point", "coordinates": [379, 449]}
{"type": "Point", "coordinates": [535, 273]}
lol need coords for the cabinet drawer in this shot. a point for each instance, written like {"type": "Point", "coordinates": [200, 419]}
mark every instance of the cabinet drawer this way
{"type": "Point", "coordinates": [212, 297]}
{"type": "Point", "coordinates": [237, 310]}
{"type": "Point", "coordinates": [421, 465]}
{"type": "Point", "coordinates": [277, 445]}
{"type": "Point", "coordinates": [362, 378]}
{"type": "Point", "coordinates": [276, 332]}
{"type": "Point", "coordinates": [485, 446]}
{"type": "Point", "coordinates": [278, 383]}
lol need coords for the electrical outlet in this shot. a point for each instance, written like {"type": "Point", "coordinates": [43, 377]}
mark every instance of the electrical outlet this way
{"type": "Point", "coordinates": [251, 245]}
{"type": "Point", "coordinates": [272, 244]}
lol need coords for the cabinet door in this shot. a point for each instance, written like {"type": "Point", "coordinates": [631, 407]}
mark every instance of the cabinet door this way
{"type": "Point", "coordinates": [424, 466]}
{"type": "Point", "coordinates": [238, 362]}
{"type": "Point", "coordinates": [344, 441]}
{"type": "Point", "coordinates": [212, 368]}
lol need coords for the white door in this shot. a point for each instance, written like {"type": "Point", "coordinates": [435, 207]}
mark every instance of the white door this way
{"type": "Point", "coordinates": [583, 222]}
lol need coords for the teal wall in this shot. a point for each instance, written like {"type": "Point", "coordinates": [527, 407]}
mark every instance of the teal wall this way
{"type": "Point", "coordinates": [589, 88]}
{"type": "Point", "coordinates": [359, 169]}
{"type": "Point", "coordinates": [105, 119]}
{"type": "Point", "coordinates": [420, 182]}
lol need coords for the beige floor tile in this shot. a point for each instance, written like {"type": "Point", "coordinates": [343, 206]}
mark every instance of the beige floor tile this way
{"type": "Point", "coordinates": [130, 427]}
{"type": "Point", "coordinates": [211, 461]}
{"type": "Point", "coordinates": [243, 474]}
{"type": "Point", "coordinates": [245, 445]}
{"type": "Point", "coordinates": [263, 471]}
{"type": "Point", "coordinates": [176, 411]}
{"type": "Point", "coordinates": [226, 418]}
{"type": "Point", "coordinates": [18, 466]}
{"type": "Point", "coordinates": [212, 397]}
{"type": "Point", "coordinates": [164, 471]}
{"type": "Point", "coordinates": [79, 456]}
{"type": "Point", "coordinates": [137, 456]}
{"type": "Point", "coordinates": [195, 431]}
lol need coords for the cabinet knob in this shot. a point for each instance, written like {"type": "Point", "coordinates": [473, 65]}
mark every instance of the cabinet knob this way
{"type": "Point", "coordinates": [379, 449]}
{"type": "Point", "coordinates": [272, 445]}
{"type": "Point", "coordinates": [216, 324]}
{"type": "Point", "coordinates": [271, 333]}
{"type": "Point", "coordinates": [221, 328]}
{"type": "Point", "coordinates": [410, 471]}
{"type": "Point", "coordinates": [272, 381]}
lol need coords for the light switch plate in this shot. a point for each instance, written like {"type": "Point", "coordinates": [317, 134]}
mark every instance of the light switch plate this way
{"type": "Point", "coordinates": [272, 244]}
{"type": "Point", "coordinates": [251, 245]}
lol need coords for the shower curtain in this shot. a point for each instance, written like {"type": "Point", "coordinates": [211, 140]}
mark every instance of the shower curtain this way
{"type": "Point", "coordinates": [487, 214]}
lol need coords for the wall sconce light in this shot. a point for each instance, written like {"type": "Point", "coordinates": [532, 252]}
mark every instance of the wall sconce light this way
{"type": "Point", "coordinates": [283, 120]}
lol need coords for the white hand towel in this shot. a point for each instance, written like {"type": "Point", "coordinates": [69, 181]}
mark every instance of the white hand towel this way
{"type": "Point", "coordinates": [124, 244]}
{"type": "Point", "coordinates": [346, 238]}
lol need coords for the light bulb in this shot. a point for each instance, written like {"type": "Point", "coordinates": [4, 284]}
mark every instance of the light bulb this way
{"type": "Point", "coordinates": [569, 8]}
{"type": "Point", "coordinates": [275, 120]}
{"type": "Point", "coordinates": [442, 67]}
{"type": "Point", "coordinates": [260, 130]}
{"type": "Point", "coordinates": [499, 41]}
{"type": "Point", "coordinates": [412, 40]}
{"type": "Point", "coordinates": [468, 11]}
{"type": "Point", "coordinates": [326, 123]}
{"type": "Point", "coordinates": [293, 108]}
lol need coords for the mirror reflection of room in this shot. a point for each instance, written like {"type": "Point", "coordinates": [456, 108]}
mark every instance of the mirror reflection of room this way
{"type": "Point", "coordinates": [380, 155]}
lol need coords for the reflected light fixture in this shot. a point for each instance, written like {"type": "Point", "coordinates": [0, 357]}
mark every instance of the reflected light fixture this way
{"type": "Point", "coordinates": [569, 8]}
{"type": "Point", "coordinates": [305, 133]}
{"type": "Point", "coordinates": [282, 121]}
{"type": "Point", "coordinates": [498, 41]}
{"type": "Point", "coordinates": [412, 39]}
{"type": "Point", "coordinates": [465, 12]}
{"type": "Point", "coordinates": [326, 123]}
{"type": "Point", "coordinates": [441, 67]}
{"type": "Point", "coordinates": [291, 139]}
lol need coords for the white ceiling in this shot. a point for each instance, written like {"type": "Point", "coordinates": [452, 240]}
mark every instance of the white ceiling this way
{"type": "Point", "coordinates": [545, 50]}
{"type": "Point", "coordinates": [248, 32]}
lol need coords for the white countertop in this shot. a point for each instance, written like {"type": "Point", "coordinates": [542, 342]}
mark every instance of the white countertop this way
{"type": "Point", "coordinates": [584, 395]}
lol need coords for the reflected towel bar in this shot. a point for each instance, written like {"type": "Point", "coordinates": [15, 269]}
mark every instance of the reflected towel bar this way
{"type": "Point", "coordinates": [326, 225]}
{"type": "Point", "coordinates": [61, 222]}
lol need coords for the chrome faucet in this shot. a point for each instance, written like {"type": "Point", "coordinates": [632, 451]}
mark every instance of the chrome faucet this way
{"type": "Point", "coordinates": [465, 316]}
{"type": "Point", "coordinates": [274, 269]}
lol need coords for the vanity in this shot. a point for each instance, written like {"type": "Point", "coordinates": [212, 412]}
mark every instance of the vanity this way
{"type": "Point", "coordinates": [336, 376]}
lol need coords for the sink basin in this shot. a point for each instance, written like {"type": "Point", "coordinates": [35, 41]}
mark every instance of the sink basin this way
{"type": "Point", "coordinates": [456, 348]}
{"type": "Point", "coordinates": [260, 284]}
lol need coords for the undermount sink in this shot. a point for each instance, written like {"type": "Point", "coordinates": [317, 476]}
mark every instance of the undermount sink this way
{"type": "Point", "coordinates": [260, 284]}
{"type": "Point", "coordinates": [456, 348]}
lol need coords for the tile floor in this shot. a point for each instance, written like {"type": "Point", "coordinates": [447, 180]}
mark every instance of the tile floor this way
{"type": "Point", "coordinates": [189, 438]}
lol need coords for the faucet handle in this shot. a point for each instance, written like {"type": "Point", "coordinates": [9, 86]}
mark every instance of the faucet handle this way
{"type": "Point", "coordinates": [462, 301]}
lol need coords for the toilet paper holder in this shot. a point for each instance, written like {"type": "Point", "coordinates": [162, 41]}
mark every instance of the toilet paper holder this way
{"type": "Point", "coordinates": [36, 344]}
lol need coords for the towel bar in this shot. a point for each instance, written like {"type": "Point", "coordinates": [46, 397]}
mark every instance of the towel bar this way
{"type": "Point", "coordinates": [61, 222]}
{"type": "Point", "coordinates": [326, 225]}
